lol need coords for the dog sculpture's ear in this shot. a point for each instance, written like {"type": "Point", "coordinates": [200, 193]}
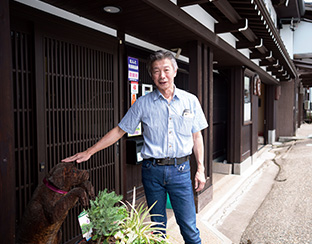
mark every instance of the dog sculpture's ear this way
{"type": "Point", "coordinates": [57, 175]}
{"type": "Point", "coordinates": [51, 172]}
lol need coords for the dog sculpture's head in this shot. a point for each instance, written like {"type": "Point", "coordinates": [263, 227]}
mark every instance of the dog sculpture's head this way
{"type": "Point", "coordinates": [66, 175]}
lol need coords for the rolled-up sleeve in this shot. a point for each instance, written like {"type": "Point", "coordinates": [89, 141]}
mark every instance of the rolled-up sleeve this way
{"type": "Point", "coordinates": [200, 121]}
{"type": "Point", "coordinates": [131, 120]}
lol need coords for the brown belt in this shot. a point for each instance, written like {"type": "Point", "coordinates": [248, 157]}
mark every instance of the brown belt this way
{"type": "Point", "coordinates": [170, 161]}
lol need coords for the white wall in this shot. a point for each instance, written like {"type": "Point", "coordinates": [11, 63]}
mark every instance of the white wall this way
{"type": "Point", "coordinates": [303, 38]}
{"type": "Point", "coordinates": [200, 15]}
{"type": "Point", "coordinates": [271, 10]}
{"type": "Point", "coordinates": [208, 21]}
{"type": "Point", "coordinates": [68, 16]}
{"type": "Point", "coordinates": [287, 36]}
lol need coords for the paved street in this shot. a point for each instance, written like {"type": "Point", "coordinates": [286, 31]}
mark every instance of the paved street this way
{"type": "Point", "coordinates": [269, 204]}
{"type": "Point", "coordinates": [285, 216]}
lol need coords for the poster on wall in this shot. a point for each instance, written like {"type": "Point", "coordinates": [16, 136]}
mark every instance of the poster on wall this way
{"type": "Point", "coordinates": [247, 100]}
{"type": "Point", "coordinates": [133, 78]}
{"type": "Point", "coordinates": [134, 87]}
{"type": "Point", "coordinates": [133, 69]}
{"type": "Point", "coordinates": [146, 88]}
{"type": "Point", "coordinates": [138, 131]}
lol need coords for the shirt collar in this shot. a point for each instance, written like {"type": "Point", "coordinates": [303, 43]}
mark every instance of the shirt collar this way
{"type": "Point", "coordinates": [176, 93]}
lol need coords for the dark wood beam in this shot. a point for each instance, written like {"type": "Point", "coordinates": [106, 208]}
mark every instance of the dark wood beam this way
{"type": "Point", "coordinates": [307, 83]}
{"type": "Point", "coordinates": [260, 47]}
{"type": "Point", "coordinates": [214, 12]}
{"type": "Point", "coordinates": [7, 163]}
{"type": "Point", "coordinates": [257, 44]}
{"type": "Point", "coordinates": [265, 62]}
{"type": "Point", "coordinates": [271, 68]}
{"type": "Point", "coordinates": [183, 3]}
{"type": "Point", "coordinates": [304, 73]}
{"type": "Point", "coordinates": [202, 33]}
{"type": "Point", "coordinates": [305, 61]}
{"type": "Point", "coordinates": [279, 74]}
{"type": "Point", "coordinates": [265, 56]}
{"type": "Point", "coordinates": [246, 44]}
{"type": "Point", "coordinates": [304, 66]}
{"type": "Point", "coordinates": [228, 26]}
{"type": "Point", "coordinates": [303, 56]}
{"type": "Point", "coordinates": [241, 26]}
{"type": "Point", "coordinates": [285, 78]}
{"type": "Point", "coordinates": [227, 9]}
{"type": "Point", "coordinates": [247, 32]}
{"type": "Point", "coordinates": [284, 56]}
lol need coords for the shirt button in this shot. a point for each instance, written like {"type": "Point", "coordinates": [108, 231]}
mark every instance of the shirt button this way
{"type": "Point", "coordinates": [170, 146]}
{"type": "Point", "coordinates": [170, 132]}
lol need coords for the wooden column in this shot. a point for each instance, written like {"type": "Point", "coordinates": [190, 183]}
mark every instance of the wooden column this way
{"type": "Point", "coordinates": [271, 107]}
{"type": "Point", "coordinates": [7, 167]}
{"type": "Point", "coordinates": [201, 84]}
{"type": "Point", "coordinates": [121, 144]}
{"type": "Point", "coordinates": [235, 116]}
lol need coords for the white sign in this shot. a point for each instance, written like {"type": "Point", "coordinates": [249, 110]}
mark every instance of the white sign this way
{"type": "Point", "coordinates": [134, 87]}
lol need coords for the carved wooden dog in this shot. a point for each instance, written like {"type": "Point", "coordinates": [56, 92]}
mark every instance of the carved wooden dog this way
{"type": "Point", "coordinates": [51, 202]}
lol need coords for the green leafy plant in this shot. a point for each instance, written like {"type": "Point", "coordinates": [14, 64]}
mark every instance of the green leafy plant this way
{"type": "Point", "coordinates": [124, 223]}
{"type": "Point", "coordinates": [105, 216]}
{"type": "Point", "coordinates": [136, 227]}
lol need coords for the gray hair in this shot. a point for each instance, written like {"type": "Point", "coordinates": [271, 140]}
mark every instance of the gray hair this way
{"type": "Point", "coordinates": [160, 55]}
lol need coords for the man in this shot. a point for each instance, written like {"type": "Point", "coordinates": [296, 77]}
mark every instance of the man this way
{"type": "Point", "coordinates": [172, 121]}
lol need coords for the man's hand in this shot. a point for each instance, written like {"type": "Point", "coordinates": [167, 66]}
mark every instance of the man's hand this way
{"type": "Point", "coordinates": [200, 181]}
{"type": "Point", "coordinates": [198, 149]}
{"type": "Point", "coordinates": [78, 157]}
{"type": "Point", "coordinates": [109, 139]}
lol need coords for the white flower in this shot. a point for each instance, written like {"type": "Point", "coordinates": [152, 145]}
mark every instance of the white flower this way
{"type": "Point", "coordinates": [119, 235]}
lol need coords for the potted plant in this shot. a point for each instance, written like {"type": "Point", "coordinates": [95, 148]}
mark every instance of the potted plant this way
{"type": "Point", "coordinates": [115, 222]}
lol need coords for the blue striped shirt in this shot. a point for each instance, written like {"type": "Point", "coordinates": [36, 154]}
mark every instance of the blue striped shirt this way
{"type": "Point", "coordinates": [167, 127]}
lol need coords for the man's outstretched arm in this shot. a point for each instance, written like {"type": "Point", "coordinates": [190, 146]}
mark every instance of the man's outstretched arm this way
{"type": "Point", "coordinates": [109, 139]}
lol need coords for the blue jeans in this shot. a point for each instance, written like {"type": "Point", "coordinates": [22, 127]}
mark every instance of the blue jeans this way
{"type": "Point", "coordinates": [176, 181]}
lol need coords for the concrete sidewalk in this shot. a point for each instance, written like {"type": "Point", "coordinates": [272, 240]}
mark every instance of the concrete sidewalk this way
{"type": "Point", "coordinates": [237, 197]}
{"type": "Point", "coordinates": [227, 191]}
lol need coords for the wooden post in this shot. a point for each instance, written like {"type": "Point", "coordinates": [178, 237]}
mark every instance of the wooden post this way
{"type": "Point", "coordinates": [271, 110]}
{"type": "Point", "coordinates": [201, 84]}
{"type": "Point", "coordinates": [7, 166]}
{"type": "Point", "coordinates": [235, 116]}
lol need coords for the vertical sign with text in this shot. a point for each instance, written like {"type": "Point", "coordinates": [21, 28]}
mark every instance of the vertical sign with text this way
{"type": "Point", "coordinates": [133, 69]}
{"type": "Point", "coordinates": [133, 77]}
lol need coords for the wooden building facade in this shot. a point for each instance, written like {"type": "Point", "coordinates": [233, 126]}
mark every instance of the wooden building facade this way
{"type": "Point", "coordinates": [65, 85]}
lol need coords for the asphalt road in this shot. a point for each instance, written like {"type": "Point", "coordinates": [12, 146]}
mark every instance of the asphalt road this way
{"type": "Point", "coordinates": [285, 216]}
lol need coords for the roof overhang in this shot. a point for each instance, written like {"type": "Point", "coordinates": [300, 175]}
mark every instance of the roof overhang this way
{"type": "Point", "coordinates": [286, 10]}
{"type": "Point", "coordinates": [165, 24]}
{"type": "Point", "coordinates": [259, 33]}
{"type": "Point", "coordinates": [303, 63]}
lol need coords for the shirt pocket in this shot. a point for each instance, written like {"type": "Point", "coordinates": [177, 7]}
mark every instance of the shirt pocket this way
{"type": "Point", "coordinates": [185, 126]}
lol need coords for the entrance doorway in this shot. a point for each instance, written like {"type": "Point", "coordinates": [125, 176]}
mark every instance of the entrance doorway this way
{"type": "Point", "coordinates": [220, 116]}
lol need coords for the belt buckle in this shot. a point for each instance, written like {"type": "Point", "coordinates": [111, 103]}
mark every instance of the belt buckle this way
{"type": "Point", "coordinates": [163, 161]}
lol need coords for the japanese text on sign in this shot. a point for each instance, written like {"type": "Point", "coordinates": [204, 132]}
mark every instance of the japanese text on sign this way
{"type": "Point", "coordinates": [133, 69]}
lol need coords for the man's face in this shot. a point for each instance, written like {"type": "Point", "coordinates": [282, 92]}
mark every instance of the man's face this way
{"type": "Point", "coordinates": [163, 74]}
